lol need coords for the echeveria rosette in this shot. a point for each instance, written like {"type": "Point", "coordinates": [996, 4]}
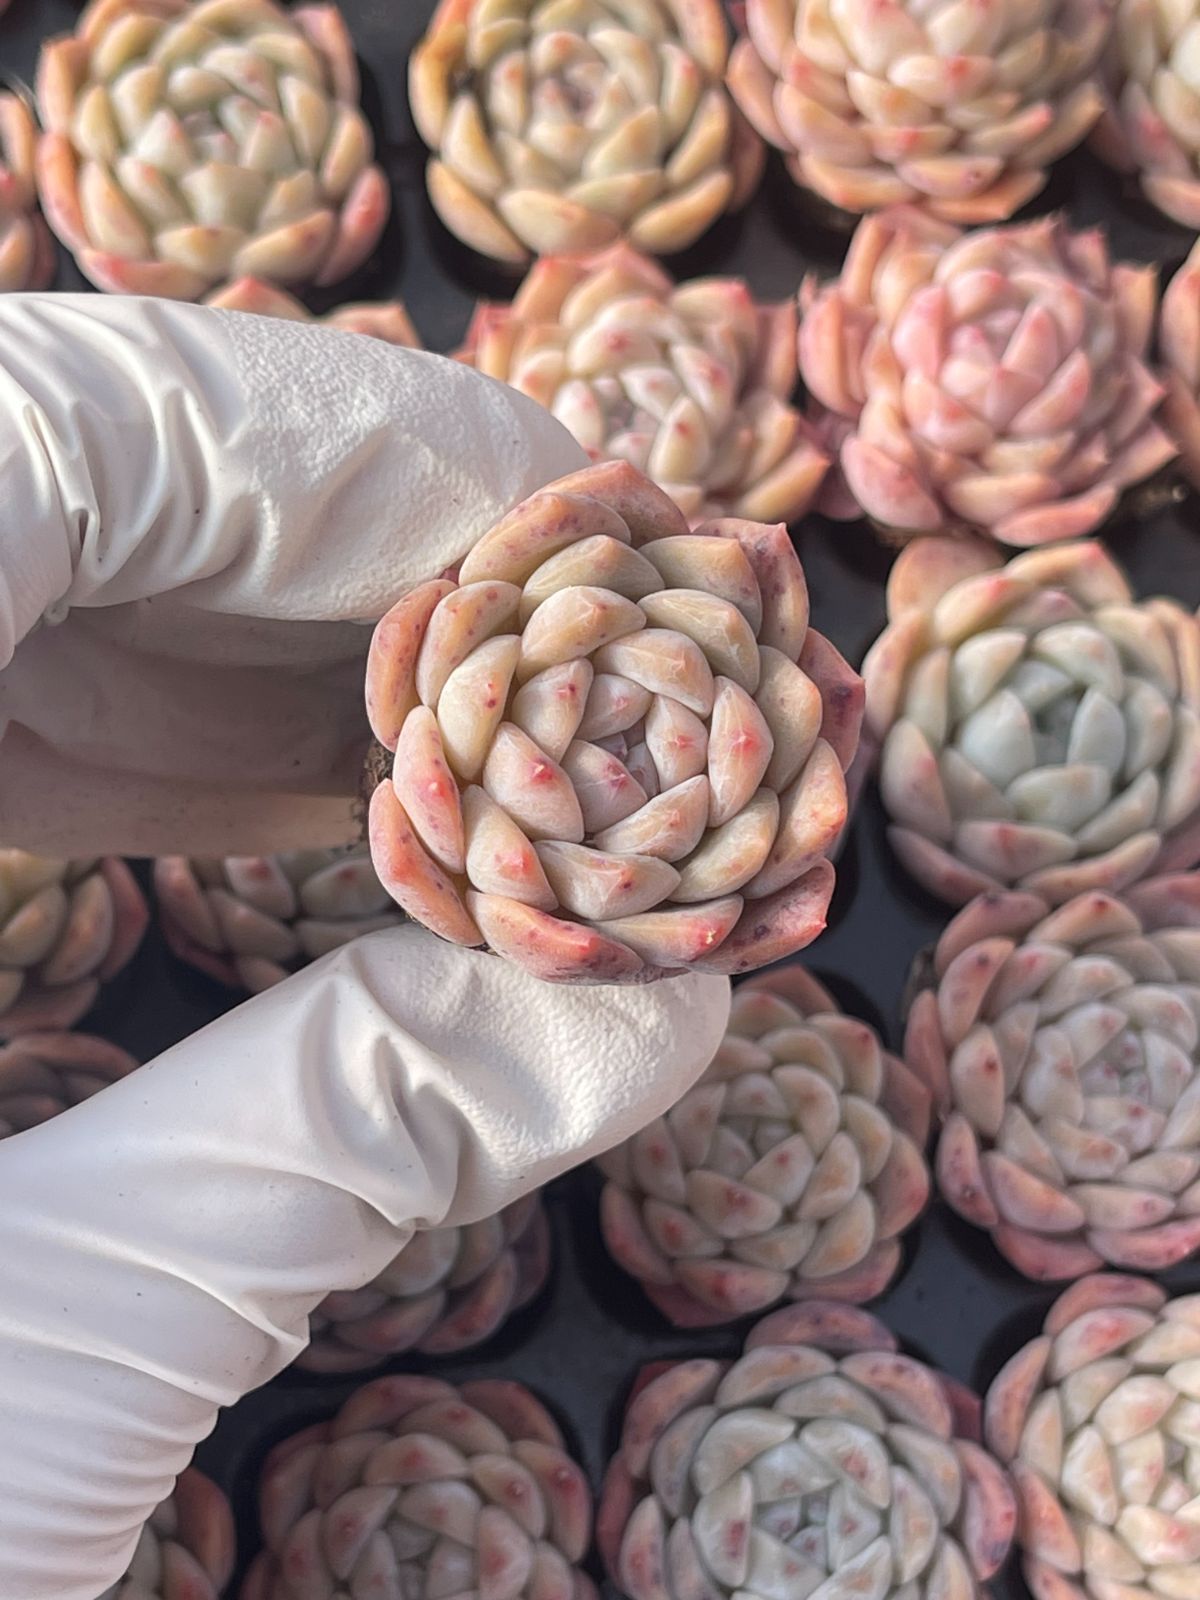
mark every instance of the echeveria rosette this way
{"type": "Point", "coordinates": [616, 746]}
{"type": "Point", "coordinates": [188, 144]}
{"type": "Point", "coordinates": [1039, 725]}
{"type": "Point", "coordinates": [958, 109]}
{"type": "Point", "coordinates": [992, 381]}
{"type": "Point", "coordinates": [26, 248]}
{"type": "Point", "coordinates": [43, 1073]}
{"type": "Point", "coordinates": [789, 1171]}
{"type": "Point", "coordinates": [448, 1290]}
{"type": "Point", "coordinates": [821, 1462]}
{"type": "Point", "coordinates": [564, 125]}
{"type": "Point", "coordinates": [187, 1549]}
{"type": "Point", "coordinates": [249, 921]}
{"type": "Point", "coordinates": [418, 1489]}
{"type": "Point", "coordinates": [66, 927]}
{"type": "Point", "coordinates": [1096, 1420]}
{"type": "Point", "coordinates": [1062, 1050]}
{"type": "Point", "coordinates": [1179, 347]}
{"type": "Point", "coordinates": [381, 319]}
{"type": "Point", "coordinates": [690, 383]}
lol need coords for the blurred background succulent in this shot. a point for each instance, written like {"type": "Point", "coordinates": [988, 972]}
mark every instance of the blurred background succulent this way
{"type": "Point", "coordinates": [43, 1073]}
{"type": "Point", "coordinates": [187, 144]}
{"type": "Point", "coordinates": [1062, 1050]}
{"type": "Point", "coordinates": [250, 920]}
{"type": "Point", "coordinates": [563, 125]}
{"type": "Point", "coordinates": [418, 1490]}
{"type": "Point", "coordinates": [381, 319]}
{"type": "Point", "coordinates": [959, 109]}
{"type": "Point", "coordinates": [1096, 1420]}
{"type": "Point", "coordinates": [789, 1171]}
{"type": "Point", "coordinates": [187, 1549]}
{"type": "Point", "coordinates": [447, 1290]}
{"type": "Point", "coordinates": [26, 248]}
{"type": "Point", "coordinates": [993, 381]}
{"type": "Point", "coordinates": [619, 748]}
{"type": "Point", "coordinates": [1040, 727]}
{"type": "Point", "coordinates": [1179, 346]}
{"type": "Point", "coordinates": [690, 383]}
{"type": "Point", "coordinates": [821, 1462]}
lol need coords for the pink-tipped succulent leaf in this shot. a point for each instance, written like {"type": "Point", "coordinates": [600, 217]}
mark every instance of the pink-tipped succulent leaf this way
{"type": "Point", "coordinates": [26, 248]}
{"type": "Point", "coordinates": [789, 1171]}
{"type": "Point", "coordinates": [42, 1074]}
{"type": "Point", "coordinates": [821, 1462]}
{"type": "Point", "coordinates": [418, 1489]}
{"type": "Point", "coordinates": [958, 109]}
{"type": "Point", "coordinates": [1096, 1421]}
{"type": "Point", "coordinates": [448, 1290]}
{"type": "Point", "coordinates": [565, 127]}
{"type": "Point", "coordinates": [1179, 346]}
{"type": "Point", "coordinates": [690, 383]}
{"type": "Point", "coordinates": [1062, 1051]}
{"type": "Point", "coordinates": [619, 749]}
{"type": "Point", "coordinates": [1040, 727]}
{"type": "Point", "coordinates": [187, 1549]}
{"type": "Point", "coordinates": [993, 381]}
{"type": "Point", "coordinates": [249, 921]}
{"type": "Point", "coordinates": [188, 144]}
{"type": "Point", "coordinates": [381, 319]}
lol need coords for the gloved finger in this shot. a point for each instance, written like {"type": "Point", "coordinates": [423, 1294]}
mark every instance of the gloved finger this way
{"type": "Point", "coordinates": [280, 1153]}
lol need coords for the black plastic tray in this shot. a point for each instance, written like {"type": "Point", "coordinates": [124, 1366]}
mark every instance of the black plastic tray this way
{"type": "Point", "coordinates": [956, 1302]}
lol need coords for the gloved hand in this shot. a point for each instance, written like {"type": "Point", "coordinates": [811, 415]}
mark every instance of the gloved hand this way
{"type": "Point", "coordinates": [208, 506]}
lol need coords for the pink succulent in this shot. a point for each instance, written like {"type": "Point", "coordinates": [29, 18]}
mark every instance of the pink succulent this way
{"type": "Point", "coordinates": [381, 319]}
{"type": "Point", "coordinates": [1179, 346]}
{"type": "Point", "coordinates": [42, 1074]}
{"type": "Point", "coordinates": [187, 1549]}
{"type": "Point", "coordinates": [26, 248]}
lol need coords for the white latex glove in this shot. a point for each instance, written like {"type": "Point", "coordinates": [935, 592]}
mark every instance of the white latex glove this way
{"type": "Point", "coordinates": [211, 497]}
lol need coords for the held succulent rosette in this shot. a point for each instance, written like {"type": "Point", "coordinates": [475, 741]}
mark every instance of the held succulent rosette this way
{"type": "Point", "coordinates": [993, 380]}
{"type": "Point", "coordinates": [618, 746]}
{"type": "Point", "coordinates": [820, 1463]}
{"type": "Point", "coordinates": [1062, 1050]}
{"type": "Point", "coordinates": [688, 383]}
{"type": "Point", "coordinates": [1179, 346]}
{"type": "Point", "coordinates": [189, 144]}
{"type": "Point", "coordinates": [66, 927]}
{"type": "Point", "coordinates": [957, 109]}
{"type": "Point", "coordinates": [790, 1169]}
{"type": "Point", "coordinates": [381, 319]}
{"type": "Point", "coordinates": [42, 1074]}
{"type": "Point", "coordinates": [187, 1549]}
{"type": "Point", "coordinates": [1096, 1420]}
{"type": "Point", "coordinates": [447, 1290]}
{"type": "Point", "coordinates": [1039, 725]}
{"type": "Point", "coordinates": [26, 249]}
{"type": "Point", "coordinates": [418, 1490]}
{"type": "Point", "coordinates": [249, 921]}
{"type": "Point", "coordinates": [563, 125]}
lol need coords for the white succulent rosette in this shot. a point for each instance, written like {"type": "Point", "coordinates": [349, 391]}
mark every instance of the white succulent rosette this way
{"type": "Point", "coordinates": [380, 319]}
{"type": "Point", "coordinates": [26, 248]}
{"type": "Point", "coordinates": [1039, 725]}
{"type": "Point", "coordinates": [449, 1289]}
{"type": "Point", "coordinates": [563, 125]}
{"type": "Point", "coordinates": [43, 1073]}
{"type": "Point", "coordinates": [958, 109]}
{"type": "Point", "coordinates": [1097, 1421]}
{"type": "Point", "coordinates": [191, 142]}
{"type": "Point", "coordinates": [249, 921]}
{"type": "Point", "coordinates": [66, 927]}
{"type": "Point", "coordinates": [1062, 1050]}
{"type": "Point", "coordinates": [418, 1489]}
{"type": "Point", "coordinates": [691, 383]}
{"type": "Point", "coordinates": [187, 1549]}
{"type": "Point", "coordinates": [790, 1170]}
{"type": "Point", "coordinates": [612, 746]}
{"type": "Point", "coordinates": [821, 1463]}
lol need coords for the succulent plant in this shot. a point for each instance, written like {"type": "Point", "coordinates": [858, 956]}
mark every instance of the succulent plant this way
{"type": "Point", "coordinates": [1039, 725]}
{"type": "Point", "coordinates": [249, 921]}
{"type": "Point", "coordinates": [958, 110]}
{"type": "Point", "coordinates": [66, 927]}
{"type": "Point", "coordinates": [1096, 1421]}
{"type": "Point", "coordinates": [821, 1463]}
{"type": "Point", "coordinates": [789, 1170]}
{"type": "Point", "coordinates": [563, 125]}
{"type": "Point", "coordinates": [42, 1074]}
{"type": "Point", "coordinates": [1062, 1050]}
{"type": "Point", "coordinates": [26, 248]}
{"type": "Point", "coordinates": [418, 1489]}
{"type": "Point", "coordinates": [1149, 126]}
{"type": "Point", "coordinates": [1179, 346]}
{"type": "Point", "coordinates": [447, 1290]}
{"type": "Point", "coordinates": [187, 1548]}
{"type": "Point", "coordinates": [188, 144]}
{"type": "Point", "coordinates": [381, 319]}
{"type": "Point", "coordinates": [618, 747]}
{"type": "Point", "coordinates": [688, 383]}
{"type": "Point", "coordinates": [992, 381]}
